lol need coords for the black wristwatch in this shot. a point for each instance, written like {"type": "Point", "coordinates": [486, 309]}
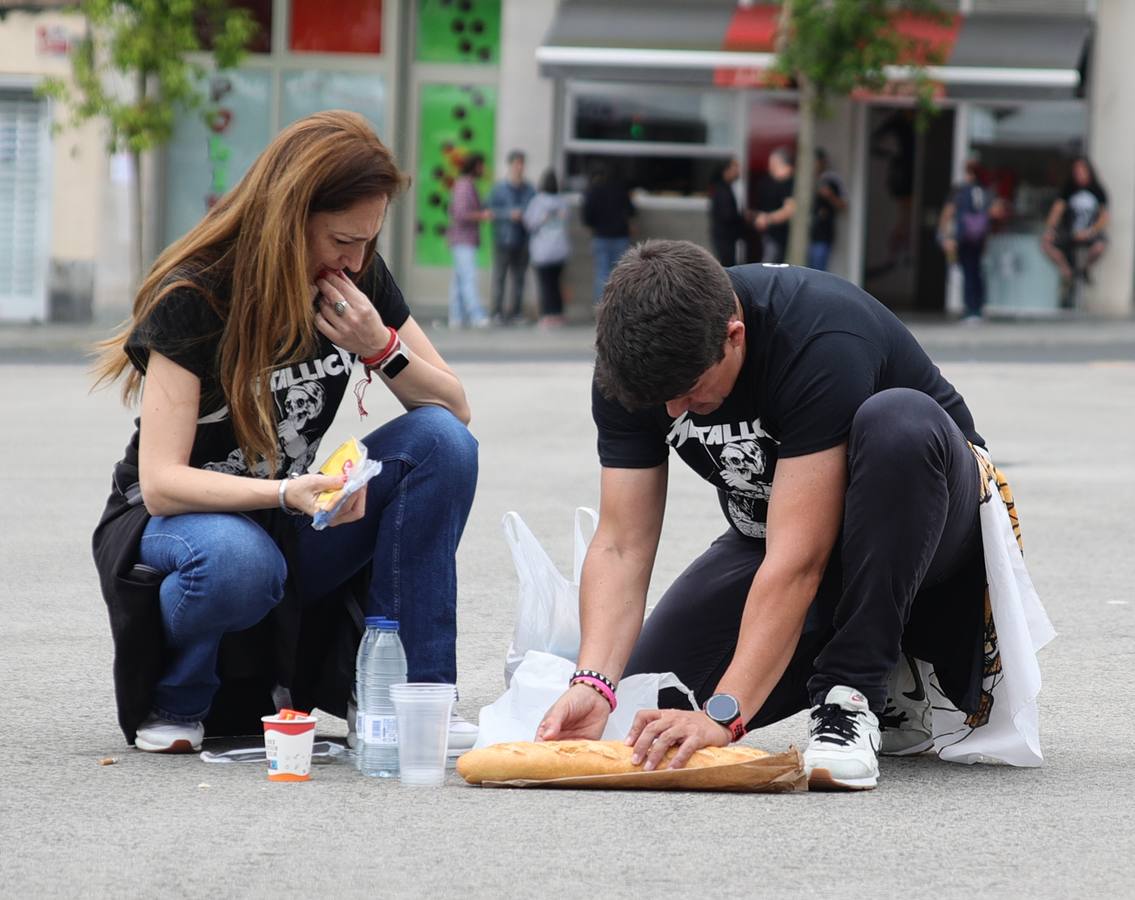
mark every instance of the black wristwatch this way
{"type": "Point", "coordinates": [725, 710]}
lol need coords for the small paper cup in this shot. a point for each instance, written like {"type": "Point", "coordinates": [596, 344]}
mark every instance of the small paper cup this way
{"type": "Point", "coordinates": [287, 744]}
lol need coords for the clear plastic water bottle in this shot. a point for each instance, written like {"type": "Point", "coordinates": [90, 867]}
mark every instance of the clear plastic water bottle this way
{"type": "Point", "coordinates": [381, 662]}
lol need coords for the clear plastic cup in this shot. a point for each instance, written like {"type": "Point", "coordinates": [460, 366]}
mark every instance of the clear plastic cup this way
{"type": "Point", "coordinates": [423, 730]}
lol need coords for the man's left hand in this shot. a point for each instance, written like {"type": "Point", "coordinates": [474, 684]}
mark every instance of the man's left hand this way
{"type": "Point", "coordinates": [657, 730]}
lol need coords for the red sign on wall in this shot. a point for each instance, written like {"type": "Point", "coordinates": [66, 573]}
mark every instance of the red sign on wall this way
{"type": "Point", "coordinates": [53, 40]}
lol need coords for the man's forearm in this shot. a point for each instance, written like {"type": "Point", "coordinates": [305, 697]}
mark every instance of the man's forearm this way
{"type": "Point", "coordinates": [770, 630]}
{"type": "Point", "coordinates": [612, 603]}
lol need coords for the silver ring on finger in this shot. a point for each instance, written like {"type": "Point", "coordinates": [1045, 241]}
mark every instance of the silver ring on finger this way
{"type": "Point", "coordinates": [341, 307]}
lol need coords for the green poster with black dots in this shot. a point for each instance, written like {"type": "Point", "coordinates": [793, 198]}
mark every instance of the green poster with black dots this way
{"type": "Point", "coordinates": [455, 121]}
{"type": "Point", "coordinates": [459, 31]}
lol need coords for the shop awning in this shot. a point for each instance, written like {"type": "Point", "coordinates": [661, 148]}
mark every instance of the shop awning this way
{"type": "Point", "coordinates": [718, 42]}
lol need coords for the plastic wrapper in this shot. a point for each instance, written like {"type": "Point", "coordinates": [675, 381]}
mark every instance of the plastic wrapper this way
{"type": "Point", "coordinates": [349, 459]}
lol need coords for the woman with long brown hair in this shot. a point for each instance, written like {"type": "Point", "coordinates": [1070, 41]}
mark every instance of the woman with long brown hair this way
{"type": "Point", "coordinates": [224, 602]}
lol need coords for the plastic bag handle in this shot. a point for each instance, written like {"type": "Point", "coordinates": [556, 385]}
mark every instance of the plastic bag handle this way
{"type": "Point", "coordinates": [528, 555]}
{"type": "Point", "coordinates": [582, 513]}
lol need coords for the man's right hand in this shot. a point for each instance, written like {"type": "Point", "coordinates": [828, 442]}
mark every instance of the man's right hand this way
{"type": "Point", "coordinates": [580, 714]}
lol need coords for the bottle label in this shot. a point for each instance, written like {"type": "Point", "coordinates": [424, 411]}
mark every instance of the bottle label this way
{"type": "Point", "coordinates": [380, 730]}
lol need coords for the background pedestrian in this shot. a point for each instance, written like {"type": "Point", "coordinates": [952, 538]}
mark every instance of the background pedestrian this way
{"type": "Point", "coordinates": [549, 246]}
{"type": "Point", "coordinates": [508, 200]}
{"type": "Point", "coordinates": [465, 217]}
{"type": "Point", "coordinates": [607, 211]}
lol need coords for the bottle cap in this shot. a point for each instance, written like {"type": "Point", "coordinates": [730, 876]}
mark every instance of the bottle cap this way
{"type": "Point", "coordinates": [374, 621]}
{"type": "Point", "coordinates": [385, 624]}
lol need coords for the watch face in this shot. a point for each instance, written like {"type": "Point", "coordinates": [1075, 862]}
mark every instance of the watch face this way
{"type": "Point", "coordinates": [722, 708]}
{"type": "Point", "coordinates": [397, 363]}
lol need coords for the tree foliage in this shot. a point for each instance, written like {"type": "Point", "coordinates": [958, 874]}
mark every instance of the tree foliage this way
{"type": "Point", "coordinates": [138, 66]}
{"type": "Point", "coordinates": [835, 48]}
{"type": "Point", "coordinates": [134, 69]}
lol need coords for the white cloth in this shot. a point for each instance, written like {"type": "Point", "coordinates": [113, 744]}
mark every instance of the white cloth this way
{"type": "Point", "coordinates": [1011, 735]}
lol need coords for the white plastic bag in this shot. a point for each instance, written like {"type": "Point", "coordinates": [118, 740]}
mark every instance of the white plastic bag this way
{"type": "Point", "coordinates": [539, 681]}
{"type": "Point", "coordinates": [547, 611]}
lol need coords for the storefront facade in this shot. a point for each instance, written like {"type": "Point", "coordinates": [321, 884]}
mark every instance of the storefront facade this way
{"type": "Point", "coordinates": [661, 90]}
{"type": "Point", "coordinates": [431, 76]}
{"type": "Point", "coordinates": [664, 92]}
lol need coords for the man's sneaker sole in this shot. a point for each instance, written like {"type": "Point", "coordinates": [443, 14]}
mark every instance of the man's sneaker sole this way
{"type": "Point", "coordinates": [822, 780]}
{"type": "Point", "coordinates": [175, 747]}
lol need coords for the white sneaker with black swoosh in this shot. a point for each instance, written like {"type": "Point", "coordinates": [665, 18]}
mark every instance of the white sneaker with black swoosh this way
{"type": "Point", "coordinates": [842, 753]}
{"type": "Point", "coordinates": [906, 724]}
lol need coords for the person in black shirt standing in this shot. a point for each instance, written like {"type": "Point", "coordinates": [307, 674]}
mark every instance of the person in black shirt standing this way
{"type": "Point", "coordinates": [726, 222]}
{"type": "Point", "coordinates": [842, 460]}
{"type": "Point", "coordinates": [829, 201]}
{"type": "Point", "coordinates": [776, 206]}
{"type": "Point", "coordinates": [607, 211]}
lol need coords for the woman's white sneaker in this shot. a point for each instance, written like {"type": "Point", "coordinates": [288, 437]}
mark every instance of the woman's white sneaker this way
{"type": "Point", "coordinates": [842, 752]}
{"type": "Point", "coordinates": [163, 736]}
{"type": "Point", "coordinates": [462, 734]}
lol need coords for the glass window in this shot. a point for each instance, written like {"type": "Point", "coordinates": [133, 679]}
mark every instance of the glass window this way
{"type": "Point", "coordinates": [653, 116]}
{"type": "Point", "coordinates": [664, 141]}
{"type": "Point", "coordinates": [663, 176]}
{"type": "Point", "coordinates": [1025, 153]}
{"type": "Point", "coordinates": [307, 92]}
{"type": "Point", "coordinates": [205, 160]}
{"type": "Point", "coordinates": [356, 26]}
{"type": "Point", "coordinates": [459, 31]}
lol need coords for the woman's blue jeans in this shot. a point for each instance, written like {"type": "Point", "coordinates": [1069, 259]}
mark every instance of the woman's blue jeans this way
{"type": "Point", "coordinates": [464, 294]}
{"type": "Point", "coordinates": [226, 574]}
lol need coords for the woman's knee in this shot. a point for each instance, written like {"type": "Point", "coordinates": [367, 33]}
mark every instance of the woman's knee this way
{"type": "Point", "coordinates": [430, 433]}
{"type": "Point", "coordinates": [226, 572]}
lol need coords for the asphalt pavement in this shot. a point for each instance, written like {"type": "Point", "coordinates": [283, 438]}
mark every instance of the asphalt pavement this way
{"type": "Point", "coordinates": [1054, 401]}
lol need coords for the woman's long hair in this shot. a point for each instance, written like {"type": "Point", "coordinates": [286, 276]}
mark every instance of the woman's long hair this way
{"type": "Point", "coordinates": [254, 242]}
{"type": "Point", "coordinates": [1071, 185]}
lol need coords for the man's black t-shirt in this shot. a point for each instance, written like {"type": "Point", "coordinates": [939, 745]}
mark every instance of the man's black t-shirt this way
{"type": "Point", "coordinates": [823, 210]}
{"type": "Point", "coordinates": [185, 328]}
{"type": "Point", "coordinates": [771, 196]}
{"type": "Point", "coordinates": [1082, 206]}
{"type": "Point", "coordinates": [816, 348]}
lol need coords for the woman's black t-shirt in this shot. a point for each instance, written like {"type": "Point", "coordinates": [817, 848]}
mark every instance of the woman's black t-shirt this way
{"type": "Point", "coordinates": [817, 348]}
{"type": "Point", "coordinates": [185, 328]}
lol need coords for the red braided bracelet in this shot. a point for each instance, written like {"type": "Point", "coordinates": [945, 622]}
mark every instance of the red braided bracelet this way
{"type": "Point", "coordinates": [371, 361]}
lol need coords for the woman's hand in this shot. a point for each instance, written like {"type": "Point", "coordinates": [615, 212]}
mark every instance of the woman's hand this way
{"type": "Point", "coordinates": [300, 494]}
{"type": "Point", "coordinates": [357, 327]}
{"type": "Point", "coordinates": [580, 714]}
{"type": "Point", "coordinates": [657, 730]}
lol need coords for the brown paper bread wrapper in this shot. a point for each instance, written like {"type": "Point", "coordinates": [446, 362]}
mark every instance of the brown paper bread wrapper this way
{"type": "Point", "coordinates": [607, 764]}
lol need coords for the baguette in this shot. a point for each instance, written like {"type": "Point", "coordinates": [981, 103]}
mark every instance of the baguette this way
{"type": "Point", "coordinates": [527, 760]}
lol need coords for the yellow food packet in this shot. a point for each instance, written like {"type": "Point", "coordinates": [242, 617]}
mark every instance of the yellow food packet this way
{"type": "Point", "coordinates": [346, 456]}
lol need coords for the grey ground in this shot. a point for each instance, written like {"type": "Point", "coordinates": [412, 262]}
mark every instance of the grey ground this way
{"type": "Point", "coordinates": [1054, 401]}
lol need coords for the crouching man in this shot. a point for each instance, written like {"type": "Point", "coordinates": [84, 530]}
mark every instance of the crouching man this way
{"type": "Point", "coordinates": [842, 460]}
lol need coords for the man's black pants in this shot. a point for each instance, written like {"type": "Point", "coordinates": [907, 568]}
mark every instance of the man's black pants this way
{"type": "Point", "coordinates": [910, 526]}
{"type": "Point", "coordinates": [506, 260]}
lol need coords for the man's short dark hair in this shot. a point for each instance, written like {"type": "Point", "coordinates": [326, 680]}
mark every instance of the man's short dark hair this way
{"type": "Point", "coordinates": [514, 155]}
{"type": "Point", "coordinates": [662, 322]}
{"type": "Point", "coordinates": [784, 154]}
